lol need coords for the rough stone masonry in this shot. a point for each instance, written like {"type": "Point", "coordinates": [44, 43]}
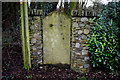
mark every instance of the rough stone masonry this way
{"type": "Point", "coordinates": [35, 35]}
{"type": "Point", "coordinates": [79, 52]}
{"type": "Point", "coordinates": [81, 28]}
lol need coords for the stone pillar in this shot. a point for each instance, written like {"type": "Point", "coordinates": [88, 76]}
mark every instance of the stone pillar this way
{"type": "Point", "coordinates": [35, 35]}
{"type": "Point", "coordinates": [79, 52]}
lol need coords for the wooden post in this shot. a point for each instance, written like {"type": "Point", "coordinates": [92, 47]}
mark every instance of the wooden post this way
{"type": "Point", "coordinates": [25, 35]}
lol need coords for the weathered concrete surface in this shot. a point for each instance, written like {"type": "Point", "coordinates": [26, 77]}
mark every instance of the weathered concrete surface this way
{"type": "Point", "coordinates": [56, 39]}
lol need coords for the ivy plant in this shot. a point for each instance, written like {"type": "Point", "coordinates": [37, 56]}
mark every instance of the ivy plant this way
{"type": "Point", "coordinates": [103, 43]}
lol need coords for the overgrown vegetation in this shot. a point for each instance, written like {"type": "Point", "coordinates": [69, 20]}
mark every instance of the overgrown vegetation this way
{"type": "Point", "coordinates": [71, 7]}
{"type": "Point", "coordinates": [104, 42]}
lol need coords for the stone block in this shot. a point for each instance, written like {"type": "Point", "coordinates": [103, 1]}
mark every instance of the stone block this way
{"type": "Point", "coordinates": [83, 45]}
{"type": "Point", "coordinates": [84, 52]}
{"type": "Point", "coordinates": [36, 35]}
{"type": "Point", "coordinates": [31, 44]}
{"type": "Point", "coordinates": [82, 25]}
{"type": "Point", "coordinates": [78, 19]}
{"type": "Point", "coordinates": [84, 37]}
{"type": "Point", "coordinates": [32, 27]}
{"type": "Point", "coordinates": [77, 28]}
{"type": "Point", "coordinates": [86, 58]}
{"type": "Point", "coordinates": [86, 31]}
{"type": "Point", "coordinates": [82, 57]}
{"type": "Point", "coordinates": [77, 45]}
{"type": "Point", "coordinates": [77, 56]}
{"type": "Point", "coordinates": [39, 47]}
{"type": "Point", "coordinates": [79, 38]}
{"type": "Point", "coordinates": [34, 48]}
{"type": "Point", "coordinates": [84, 19]}
{"type": "Point", "coordinates": [87, 26]}
{"type": "Point", "coordinates": [38, 53]}
{"type": "Point", "coordinates": [75, 24]}
{"type": "Point", "coordinates": [33, 40]}
{"type": "Point", "coordinates": [83, 41]}
{"type": "Point", "coordinates": [86, 65]}
{"type": "Point", "coordinates": [73, 49]}
{"type": "Point", "coordinates": [78, 49]}
{"type": "Point", "coordinates": [76, 38]}
{"type": "Point", "coordinates": [72, 52]}
{"type": "Point", "coordinates": [40, 62]}
{"type": "Point", "coordinates": [79, 64]}
{"type": "Point", "coordinates": [77, 53]}
{"type": "Point", "coordinates": [84, 70]}
{"type": "Point", "coordinates": [85, 48]}
{"type": "Point", "coordinates": [34, 54]}
{"type": "Point", "coordinates": [30, 36]}
{"type": "Point", "coordinates": [80, 67]}
{"type": "Point", "coordinates": [73, 18]}
{"type": "Point", "coordinates": [74, 65]}
{"type": "Point", "coordinates": [80, 32]}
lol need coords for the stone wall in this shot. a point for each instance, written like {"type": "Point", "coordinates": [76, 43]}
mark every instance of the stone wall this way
{"type": "Point", "coordinates": [79, 52]}
{"type": "Point", "coordinates": [81, 28]}
{"type": "Point", "coordinates": [35, 35]}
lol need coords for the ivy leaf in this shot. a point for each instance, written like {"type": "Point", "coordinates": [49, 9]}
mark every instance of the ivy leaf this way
{"type": "Point", "coordinates": [99, 59]}
{"type": "Point", "coordinates": [104, 62]}
{"type": "Point", "coordinates": [94, 18]}
{"type": "Point", "coordinates": [93, 65]}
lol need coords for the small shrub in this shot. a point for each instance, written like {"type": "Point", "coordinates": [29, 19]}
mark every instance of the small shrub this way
{"type": "Point", "coordinates": [103, 44]}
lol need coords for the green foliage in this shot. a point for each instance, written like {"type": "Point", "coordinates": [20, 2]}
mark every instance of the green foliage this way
{"type": "Point", "coordinates": [29, 77]}
{"type": "Point", "coordinates": [103, 44]}
{"type": "Point", "coordinates": [82, 78]}
{"type": "Point", "coordinates": [71, 7]}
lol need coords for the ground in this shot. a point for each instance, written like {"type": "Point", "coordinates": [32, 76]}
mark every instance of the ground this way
{"type": "Point", "coordinates": [12, 69]}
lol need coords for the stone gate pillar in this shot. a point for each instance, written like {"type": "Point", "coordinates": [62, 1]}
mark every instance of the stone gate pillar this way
{"type": "Point", "coordinates": [80, 30]}
{"type": "Point", "coordinates": [35, 35]}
